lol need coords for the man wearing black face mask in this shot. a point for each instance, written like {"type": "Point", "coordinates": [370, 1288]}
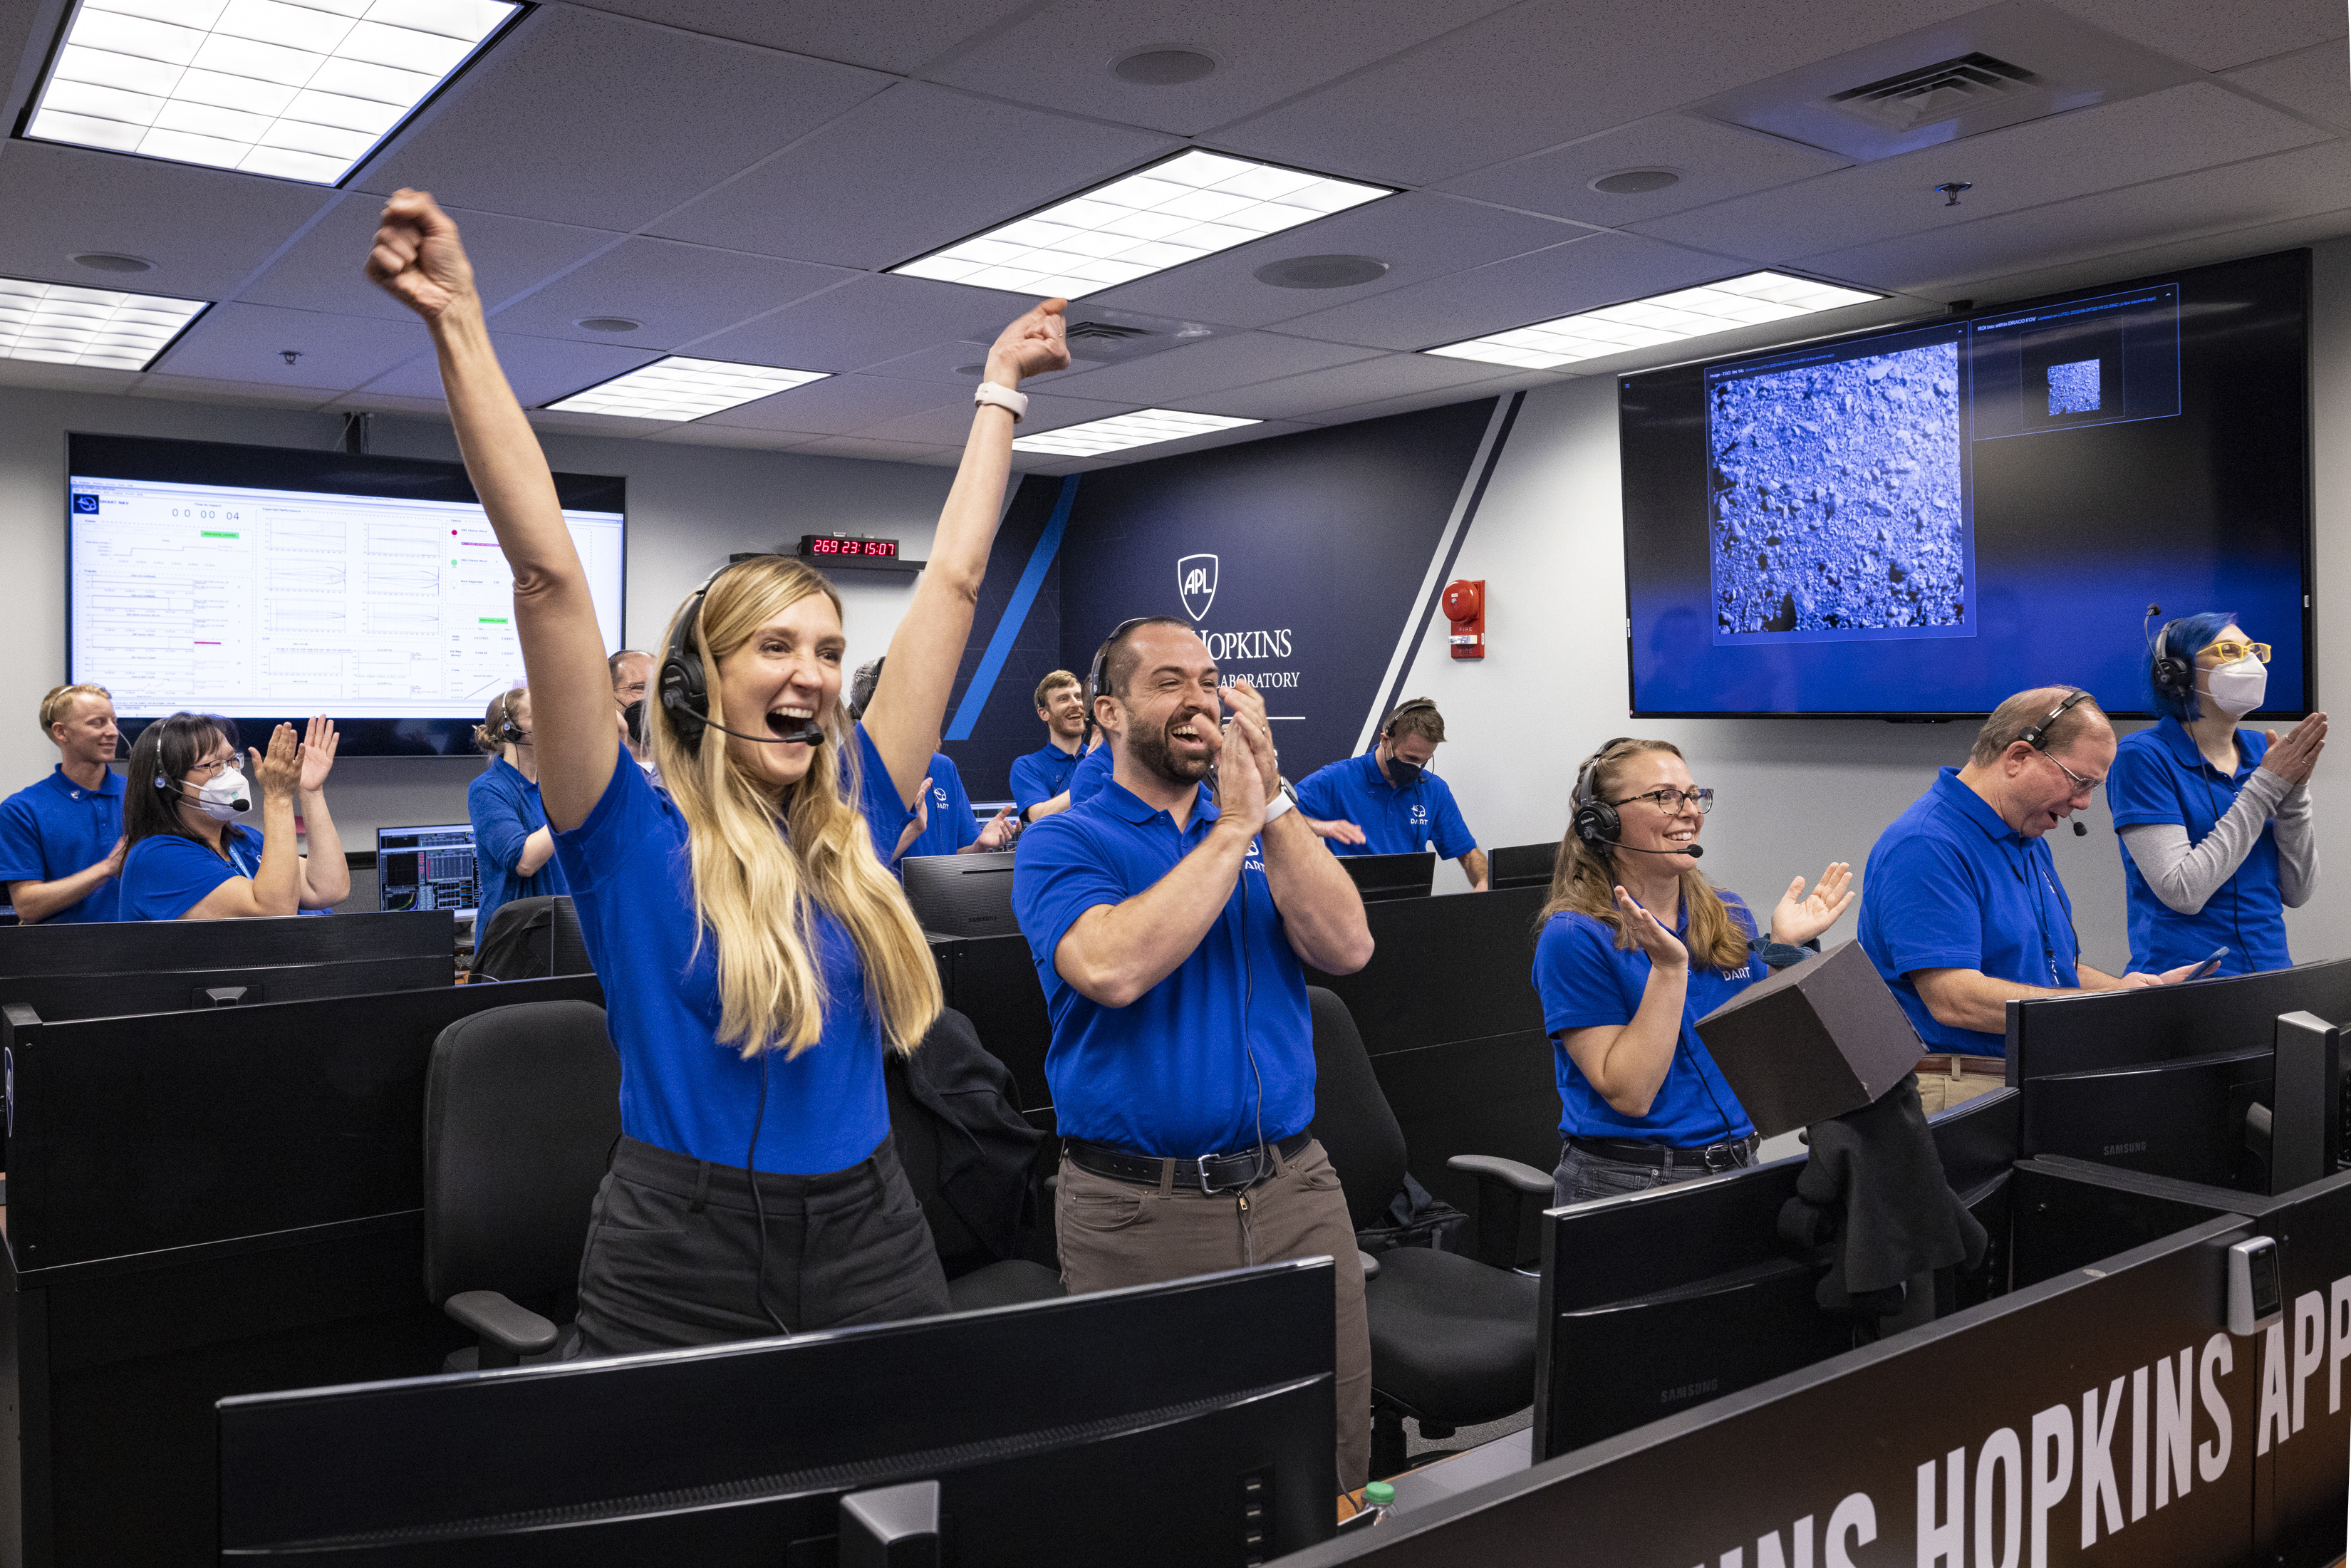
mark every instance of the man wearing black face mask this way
{"type": "Point", "coordinates": [1389, 794]}
{"type": "Point", "coordinates": [631, 671]}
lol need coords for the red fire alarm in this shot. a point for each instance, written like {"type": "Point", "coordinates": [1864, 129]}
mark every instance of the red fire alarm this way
{"type": "Point", "coordinates": [1464, 606]}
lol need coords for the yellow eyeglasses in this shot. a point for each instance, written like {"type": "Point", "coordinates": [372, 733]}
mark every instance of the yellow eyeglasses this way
{"type": "Point", "coordinates": [2228, 649]}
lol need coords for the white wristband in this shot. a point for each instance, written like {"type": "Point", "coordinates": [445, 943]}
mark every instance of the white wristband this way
{"type": "Point", "coordinates": [1274, 808]}
{"type": "Point", "coordinates": [1012, 403]}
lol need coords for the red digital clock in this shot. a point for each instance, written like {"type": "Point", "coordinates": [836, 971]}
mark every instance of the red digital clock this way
{"type": "Point", "coordinates": [837, 545]}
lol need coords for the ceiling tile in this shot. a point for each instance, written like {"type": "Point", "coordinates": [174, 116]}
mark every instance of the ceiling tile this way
{"type": "Point", "coordinates": [1601, 270]}
{"type": "Point", "coordinates": [867, 322]}
{"type": "Point", "coordinates": [905, 172]}
{"type": "Point", "coordinates": [540, 370]}
{"type": "Point", "coordinates": [204, 229]}
{"type": "Point", "coordinates": [1715, 162]}
{"type": "Point", "coordinates": [366, 401]}
{"type": "Point", "coordinates": [2215, 38]}
{"type": "Point", "coordinates": [885, 34]}
{"type": "Point", "coordinates": [65, 378]}
{"type": "Point", "coordinates": [1211, 365]}
{"type": "Point", "coordinates": [603, 425]}
{"type": "Point", "coordinates": [702, 432]}
{"type": "Point", "coordinates": [951, 426]}
{"type": "Point", "coordinates": [323, 269]}
{"type": "Point", "coordinates": [679, 293]}
{"type": "Point", "coordinates": [2310, 180]}
{"type": "Point", "coordinates": [1549, 71]}
{"type": "Point", "coordinates": [960, 365]}
{"type": "Point", "coordinates": [247, 343]}
{"type": "Point", "coordinates": [841, 404]}
{"type": "Point", "coordinates": [1310, 396]}
{"type": "Point", "coordinates": [1061, 55]}
{"type": "Point", "coordinates": [876, 451]}
{"type": "Point", "coordinates": [1419, 235]}
{"type": "Point", "coordinates": [582, 118]}
{"type": "Point", "coordinates": [1413, 403]}
{"type": "Point", "coordinates": [2193, 126]}
{"type": "Point", "coordinates": [2314, 81]}
{"type": "Point", "coordinates": [207, 389]}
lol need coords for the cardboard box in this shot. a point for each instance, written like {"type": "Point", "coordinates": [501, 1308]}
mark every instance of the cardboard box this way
{"type": "Point", "coordinates": [1813, 1042]}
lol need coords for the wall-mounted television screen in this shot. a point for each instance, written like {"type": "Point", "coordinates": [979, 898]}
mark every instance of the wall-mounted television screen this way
{"type": "Point", "coordinates": [1918, 521]}
{"type": "Point", "coordinates": [266, 584]}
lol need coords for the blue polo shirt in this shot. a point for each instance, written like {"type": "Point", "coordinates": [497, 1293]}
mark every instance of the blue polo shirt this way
{"type": "Point", "coordinates": [1588, 982]}
{"type": "Point", "coordinates": [632, 884]}
{"type": "Point", "coordinates": [951, 825]}
{"type": "Point", "coordinates": [2160, 776]}
{"type": "Point", "coordinates": [1167, 1074]}
{"type": "Point", "coordinates": [1395, 821]}
{"type": "Point", "coordinates": [1041, 775]}
{"type": "Point", "coordinates": [1951, 886]}
{"type": "Point", "coordinates": [505, 809]}
{"type": "Point", "coordinates": [1093, 770]}
{"type": "Point", "coordinates": [167, 874]}
{"type": "Point", "coordinates": [56, 828]}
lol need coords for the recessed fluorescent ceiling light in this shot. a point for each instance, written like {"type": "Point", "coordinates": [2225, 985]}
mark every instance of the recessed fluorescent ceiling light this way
{"type": "Point", "coordinates": [101, 327]}
{"type": "Point", "coordinates": [1148, 428]}
{"type": "Point", "coordinates": [1193, 204]}
{"type": "Point", "coordinates": [301, 91]}
{"type": "Point", "coordinates": [1748, 301]}
{"type": "Point", "coordinates": [679, 389]}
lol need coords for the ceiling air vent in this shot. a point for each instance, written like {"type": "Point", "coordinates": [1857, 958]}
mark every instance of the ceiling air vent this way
{"type": "Point", "coordinates": [1935, 92]}
{"type": "Point", "coordinates": [1105, 331]}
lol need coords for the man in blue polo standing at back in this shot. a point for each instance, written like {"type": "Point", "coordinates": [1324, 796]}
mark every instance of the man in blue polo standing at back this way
{"type": "Point", "coordinates": [1399, 807]}
{"type": "Point", "coordinates": [1961, 909]}
{"type": "Point", "coordinates": [61, 839]}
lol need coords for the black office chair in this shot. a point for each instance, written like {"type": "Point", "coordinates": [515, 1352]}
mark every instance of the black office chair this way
{"type": "Point", "coordinates": [529, 939]}
{"type": "Point", "coordinates": [522, 1107]}
{"type": "Point", "coordinates": [1453, 1338]}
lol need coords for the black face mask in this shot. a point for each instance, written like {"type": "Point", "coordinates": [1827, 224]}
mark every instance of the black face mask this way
{"type": "Point", "coordinates": [634, 716]}
{"type": "Point", "coordinates": [1401, 774]}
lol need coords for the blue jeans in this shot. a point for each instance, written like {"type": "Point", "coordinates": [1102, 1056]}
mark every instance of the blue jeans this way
{"type": "Point", "coordinates": [1583, 1176]}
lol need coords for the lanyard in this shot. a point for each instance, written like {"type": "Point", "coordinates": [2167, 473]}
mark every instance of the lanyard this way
{"type": "Point", "coordinates": [2035, 878]}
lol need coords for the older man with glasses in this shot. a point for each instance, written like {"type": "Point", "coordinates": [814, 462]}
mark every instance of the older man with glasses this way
{"type": "Point", "coordinates": [1965, 911]}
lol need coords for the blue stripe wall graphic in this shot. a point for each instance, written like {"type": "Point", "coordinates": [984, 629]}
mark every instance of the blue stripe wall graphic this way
{"type": "Point", "coordinates": [1016, 613]}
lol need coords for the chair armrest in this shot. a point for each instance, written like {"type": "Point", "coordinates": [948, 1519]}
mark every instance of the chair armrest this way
{"type": "Point", "coordinates": [506, 1333]}
{"type": "Point", "coordinates": [1370, 1264]}
{"type": "Point", "coordinates": [1504, 1187]}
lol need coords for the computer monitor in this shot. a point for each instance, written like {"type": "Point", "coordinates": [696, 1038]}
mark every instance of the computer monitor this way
{"type": "Point", "coordinates": [961, 895]}
{"type": "Point", "coordinates": [1391, 876]}
{"type": "Point", "coordinates": [2103, 1030]}
{"type": "Point", "coordinates": [2183, 1119]}
{"type": "Point", "coordinates": [2311, 1108]}
{"type": "Point", "coordinates": [427, 868]}
{"type": "Point", "coordinates": [111, 969]}
{"type": "Point", "coordinates": [1668, 1298]}
{"type": "Point", "coordinates": [1190, 1423]}
{"type": "Point", "coordinates": [1521, 865]}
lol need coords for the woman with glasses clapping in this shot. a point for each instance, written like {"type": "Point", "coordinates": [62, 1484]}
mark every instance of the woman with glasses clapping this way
{"type": "Point", "coordinates": [2215, 821]}
{"type": "Point", "coordinates": [1637, 946]}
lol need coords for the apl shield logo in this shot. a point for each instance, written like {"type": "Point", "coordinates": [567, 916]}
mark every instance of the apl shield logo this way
{"type": "Point", "coordinates": [1195, 577]}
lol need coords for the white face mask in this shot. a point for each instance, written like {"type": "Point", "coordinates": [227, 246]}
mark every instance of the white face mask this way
{"type": "Point", "coordinates": [224, 798]}
{"type": "Point", "coordinates": [2237, 689]}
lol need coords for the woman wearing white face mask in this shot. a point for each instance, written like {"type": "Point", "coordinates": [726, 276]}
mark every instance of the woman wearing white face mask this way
{"type": "Point", "coordinates": [2215, 821]}
{"type": "Point", "coordinates": [189, 814]}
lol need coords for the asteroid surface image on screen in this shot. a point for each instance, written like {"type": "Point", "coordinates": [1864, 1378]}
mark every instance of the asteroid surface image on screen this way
{"type": "Point", "coordinates": [1839, 499]}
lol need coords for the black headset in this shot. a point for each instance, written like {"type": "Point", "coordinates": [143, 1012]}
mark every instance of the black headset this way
{"type": "Point", "coordinates": [1095, 678]}
{"type": "Point", "coordinates": [2173, 676]}
{"type": "Point", "coordinates": [509, 732]}
{"type": "Point", "coordinates": [1416, 704]}
{"type": "Point", "coordinates": [1595, 821]}
{"type": "Point", "coordinates": [685, 687]}
{"type": "Point", "coordinates": [2037, 737]}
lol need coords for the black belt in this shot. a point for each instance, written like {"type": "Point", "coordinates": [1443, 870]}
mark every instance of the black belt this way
{"type": "Point", "coordinates": [1729, 1154]}
{"type": "Point", "coordinates": [1206, 1173]}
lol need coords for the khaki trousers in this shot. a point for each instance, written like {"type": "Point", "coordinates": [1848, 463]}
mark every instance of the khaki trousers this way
{"type": "Point", "coordinates": [1115, 1233]}
{"type": "Point", "coordinates": [1940, 1091]}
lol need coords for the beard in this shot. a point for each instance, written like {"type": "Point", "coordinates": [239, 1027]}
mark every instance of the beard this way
{"type": "Point", "coordinates": [1151, 748]}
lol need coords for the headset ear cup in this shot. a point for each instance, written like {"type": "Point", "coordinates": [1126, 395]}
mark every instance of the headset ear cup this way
{"type": "Point", "coordinates": [1596, 823]}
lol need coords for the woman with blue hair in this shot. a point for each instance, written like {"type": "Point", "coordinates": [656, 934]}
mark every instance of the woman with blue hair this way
{"type": "Point", "coordinates": [2215, 821]}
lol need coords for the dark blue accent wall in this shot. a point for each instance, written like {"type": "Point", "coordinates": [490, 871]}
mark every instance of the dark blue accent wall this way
{"type": "Point", "coordinates": [1007, 726]}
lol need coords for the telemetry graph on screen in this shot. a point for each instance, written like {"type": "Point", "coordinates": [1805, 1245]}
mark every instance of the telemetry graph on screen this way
{"type": "Point", "coordinates": [236, 600]}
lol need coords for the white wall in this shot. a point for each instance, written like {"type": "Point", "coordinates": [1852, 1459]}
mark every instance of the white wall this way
{"type": "Point", "coordinates": [1792, 794]}
{"type": "Point", "coordinates": [689, 509]}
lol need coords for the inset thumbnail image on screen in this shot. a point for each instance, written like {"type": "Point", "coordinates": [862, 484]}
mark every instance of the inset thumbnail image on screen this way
{"type": "Point", "coordinates": [1840, 494]}
{"type": "Point", "coordinates": [427, 868]}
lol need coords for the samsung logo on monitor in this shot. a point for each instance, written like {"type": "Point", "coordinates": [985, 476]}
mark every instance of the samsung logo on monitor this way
{"type": "Point", "coordinates": [1689, 1391]}
{"type": "Point", "coordinates": [2137, 1148]}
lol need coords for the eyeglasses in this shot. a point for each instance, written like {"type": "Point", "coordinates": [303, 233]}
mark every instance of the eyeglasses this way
{"type": "Point", "coordinates": [212, 769]}
{"type": "Point", "coordinates": [2228, 649]}
{"type": "Point", "coordinates": [2081, 786]}
{"type": "Point", "coordinates": [1670, 800]}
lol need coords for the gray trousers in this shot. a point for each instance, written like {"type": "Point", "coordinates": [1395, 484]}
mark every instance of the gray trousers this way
{"type": "Point", "coordinates": [1117, 1233]}
{"type": "Point", "coordinates": [674, 1252]}
{"type": "Point", "coordinates": [1583, 1176]}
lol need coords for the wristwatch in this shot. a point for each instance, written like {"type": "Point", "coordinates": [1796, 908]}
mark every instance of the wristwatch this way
{"type": "Point", "coordinates": [1287, 801]}
{"type": "Point", "coordinates": [1012, 403]}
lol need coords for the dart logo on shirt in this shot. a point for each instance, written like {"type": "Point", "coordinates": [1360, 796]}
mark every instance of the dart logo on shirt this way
{"type": "Point", "coordinates": [1195, 580]}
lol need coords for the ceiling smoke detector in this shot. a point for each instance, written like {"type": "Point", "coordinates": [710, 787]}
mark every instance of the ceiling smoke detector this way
{"type": "Point", "coordinates": [1321, 271]}
{"type": "Point", "coordinates": [107, 261]}
{"type": "Point", "coordinates": [1635, 182]}
{"type": "Point", "coordinates": [1163, 66]}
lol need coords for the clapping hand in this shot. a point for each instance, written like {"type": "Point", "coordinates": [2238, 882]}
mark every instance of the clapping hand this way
{"type": "Point", "coordinates": [318, 753]}
{"type": "Point", "coordinates": [1663, 948]}
{"type": "Point", "coordinates": [1249, 722]}
{"type": "Point", "coordinates": [997, 832]}
{"type": "Point", "coordinates": [418, 258]}
{"type": "Point", "coordinates": [2293, 757]}
{"type": "Point", "coordinates": [1345, 832]}
{"type": "Point", "coordinates": [1797, 919]}
{"type": "Point", "coordinates": [281, 770]}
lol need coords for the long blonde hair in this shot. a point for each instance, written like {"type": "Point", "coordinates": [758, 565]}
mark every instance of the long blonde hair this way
{"type": "Point", "coordinates": [763, 870]}
{"type": "Point", "coordinates": [1583, 877]}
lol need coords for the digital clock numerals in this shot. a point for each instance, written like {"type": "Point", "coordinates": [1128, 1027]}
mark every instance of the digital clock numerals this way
{"type": "Point", "coordinates": [818, 545]}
